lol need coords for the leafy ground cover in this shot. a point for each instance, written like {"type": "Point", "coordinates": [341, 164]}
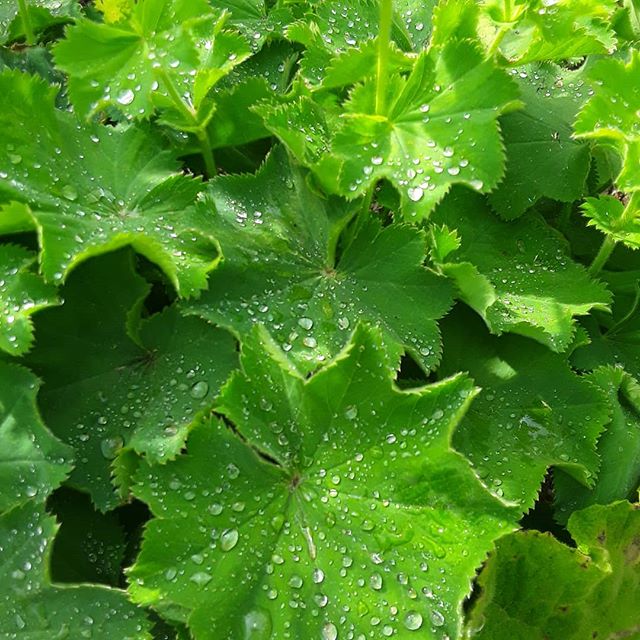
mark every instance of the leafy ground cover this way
{"type": "Point", "coordinates": [319, 319]}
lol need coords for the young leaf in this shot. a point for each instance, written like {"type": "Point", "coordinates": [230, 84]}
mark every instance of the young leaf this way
{"type": "Point", "coordinates": [543, 129]}
{"type": "Point", "coordinates": [164, 53]}
{"type": "Point", "coordinates": [618, 448]}
{"type": "Point", "coordinates": [439, 127]}
{"type": "Point", "coordinates": [534, 412]}
{"type": "Point", "coordinates": [279, 241]}
{"type": "Point", "coordinates": [611, 115]}
{"type": "Point", "coordinates": [535, 30]}
{"type": "Point", "coordinates": [517, 275]}
{"type": "Point", "coordinates": [336, 506]}
{"type": "Point", "coordinates": [31, 607]}
{"type": "Point", "coordinates": [22, 293]}
{"type": "Point", "coordinates": [619, 222]}
{"type": "Point", "coordinates": [88, 189]}
{"type": "Point", "coordinates": [33, 462]}
{"type": "Point", "coordinates": [535, 586]}
{"type": "Point", "coordinates": [106, 391]}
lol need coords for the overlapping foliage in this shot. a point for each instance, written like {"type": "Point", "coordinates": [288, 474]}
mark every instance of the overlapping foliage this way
{"type": "Point", "coordinates": [319, 319]}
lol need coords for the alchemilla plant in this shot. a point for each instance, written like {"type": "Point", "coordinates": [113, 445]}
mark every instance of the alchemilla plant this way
{"type": "Point", "coordinates": [319, 319]}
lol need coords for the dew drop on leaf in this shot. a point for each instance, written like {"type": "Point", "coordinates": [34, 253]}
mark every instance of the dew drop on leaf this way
{"type": "Point", "coordinates": [199, 390]}
{"type": "Point", "coordinates": [228, 539]}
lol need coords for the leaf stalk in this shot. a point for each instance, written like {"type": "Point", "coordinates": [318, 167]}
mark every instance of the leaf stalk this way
{"type": "Point", "coordinates": [30, 35]}
{"type": "Point", "coordinates": [382, 63]}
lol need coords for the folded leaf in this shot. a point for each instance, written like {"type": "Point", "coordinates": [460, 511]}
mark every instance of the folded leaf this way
{"type": "Point", "coordinates": [22, 293]}
{"type": "Point", "coordinates": [33, 462]}
{"type": "Point", "coordinates": [536, 587]}
{"type": "Point", "coordinates": [518, 276]}
{"type": "Point", "coordinates": [31, 607]}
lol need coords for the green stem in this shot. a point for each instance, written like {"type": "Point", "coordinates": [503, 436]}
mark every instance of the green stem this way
{"type": "Point", "coordinates": [207, 152]}
{"type": "Point", "coordinates": [627, 316]}
{"type": "Point", "coordinates": [190, 114]}
{"type": "Point", "coordinates": [26, 22]}
{"type": "Point", "coordinates": [606, 248]}
{"type": "Point", "coordinates": [502, 32]}
{"type": "Point", "coordinates": [384, 42]}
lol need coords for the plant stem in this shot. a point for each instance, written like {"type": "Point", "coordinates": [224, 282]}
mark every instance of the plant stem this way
{"type": "Point", "coordinates": [190, 114]}
{"type": "Point", "coordinates": [502, 32]}
{"type": "Point", "coordinates": [382, 65]}
{"type": "Point", "coordinates": [606, 248]}
{"type": "Point", "coordinates": [26, 22]}
{"type": "Point", "coordinates": [207, 152]}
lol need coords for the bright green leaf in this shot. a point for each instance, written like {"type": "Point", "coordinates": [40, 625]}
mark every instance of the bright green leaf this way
{"type": "Point", "coordinates": [166, 53]}
{"type": "Point", "coordinates": [361, 516]}
{"type": "Point", "coordinates": [22, 293]}
{"type": "Point", "coordinates": [104, 391]}
{"type": "Point", "coordinates": [32, 461]}
{"type": "Point", "coordinates": [535, 587]}
{"type": "Point", "coordinates": [88, 189]}
{"type": "Point", "coordinates": [517, 275]}
{"type": "Point", "coordinates": [536, 30]}
{"type": "Point", "coordinates": [618, 447]}
{"type": "Point", "coordinates": [611, 115]}
{"type": "Point", "coordinates": [615, 219]}
{"type": "Point", "coordinates": [533, 412]}
{"type": "Point", "coordinates": [278, 240]}
{"type": "Point", "coordinates": [31, 607]}
{"type": "Point", "coordinates": [439, 127]}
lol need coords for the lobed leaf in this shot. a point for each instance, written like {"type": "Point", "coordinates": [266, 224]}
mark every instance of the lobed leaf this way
{"type": "Point", "coordinates": [113, 382]}
{"type": "Point", "coordinates": [335, 505]}
{"type": "Point", "coordinates": [88, 189]}
{"type": "Point", "coordinates": [280, 268]}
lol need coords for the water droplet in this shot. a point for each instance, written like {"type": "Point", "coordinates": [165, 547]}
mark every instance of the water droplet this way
{"type": "Point", "coordinates": [375, 582]}
{"type": "Point", "coordinates": [228, 539]}
{"type": "Point", "coordinates": [69, 192]}
{"type": "Point", "coordinates": [415, 194]}
{"type": "Point", "coordinates": [351, 412]}
{"type": "Point", "coordinates": [109, 447]}
{"type": "Point", "coordinates": [413, 620]}
{"type": "Point", "coordinates": [201, 578]}
{"type": "Point", "coordinates": [306, 323]}
{"type": "Point", "coordinates": [376, 160]}
{"type": "Point", "coordinates": [200, 390]}
{"type": "Point", "coordinates": [126, 97]}
{"type": "Point", "coordinates": [329, 631]}
{"type": "Point", "coordinates": [437, 619]}
{"type": "Point", "coordinates": [257, 625]}
{"type": "Point", "coordinates": [318, 576]}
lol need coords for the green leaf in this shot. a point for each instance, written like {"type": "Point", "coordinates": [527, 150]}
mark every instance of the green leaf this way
{"type": "Point", "coordinates": [22, 293]}
{"type": "Point", "coordinates": [535, 30]}
{"type": "Point", "coordinates": [106, 391]}
{"type": "Point", "coordinates": [31, 607]}
{"type": "Point", "coordinates": [536, 587]}
{"type": "Point", "coordinates": [42, 15]}
{"type": "Point", "coordinates": [610, 116]}
{"type": "Point", "coordinates": [618, 448]}
{"type": "Point", "coordinates": [334, 507]}
{"type": "Point", "coordinates": [517, 275]}
{"type": "Point", "coordinates": [166, 53]}
{"type": "Point", "coordinates": [542, 130]}
{"type": "Point", "coordinates": [92, 189]}
{"type": "Point", "coordinates": [615, 219]}
{"type": "Point", "coordinates": [534, 411]}
{"type": "Point", "coordinates": [440, 127]}
{"type": "Point", "coordinates": [32, 461]}
{"type": "Point", "coordinates": [278, 240]}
